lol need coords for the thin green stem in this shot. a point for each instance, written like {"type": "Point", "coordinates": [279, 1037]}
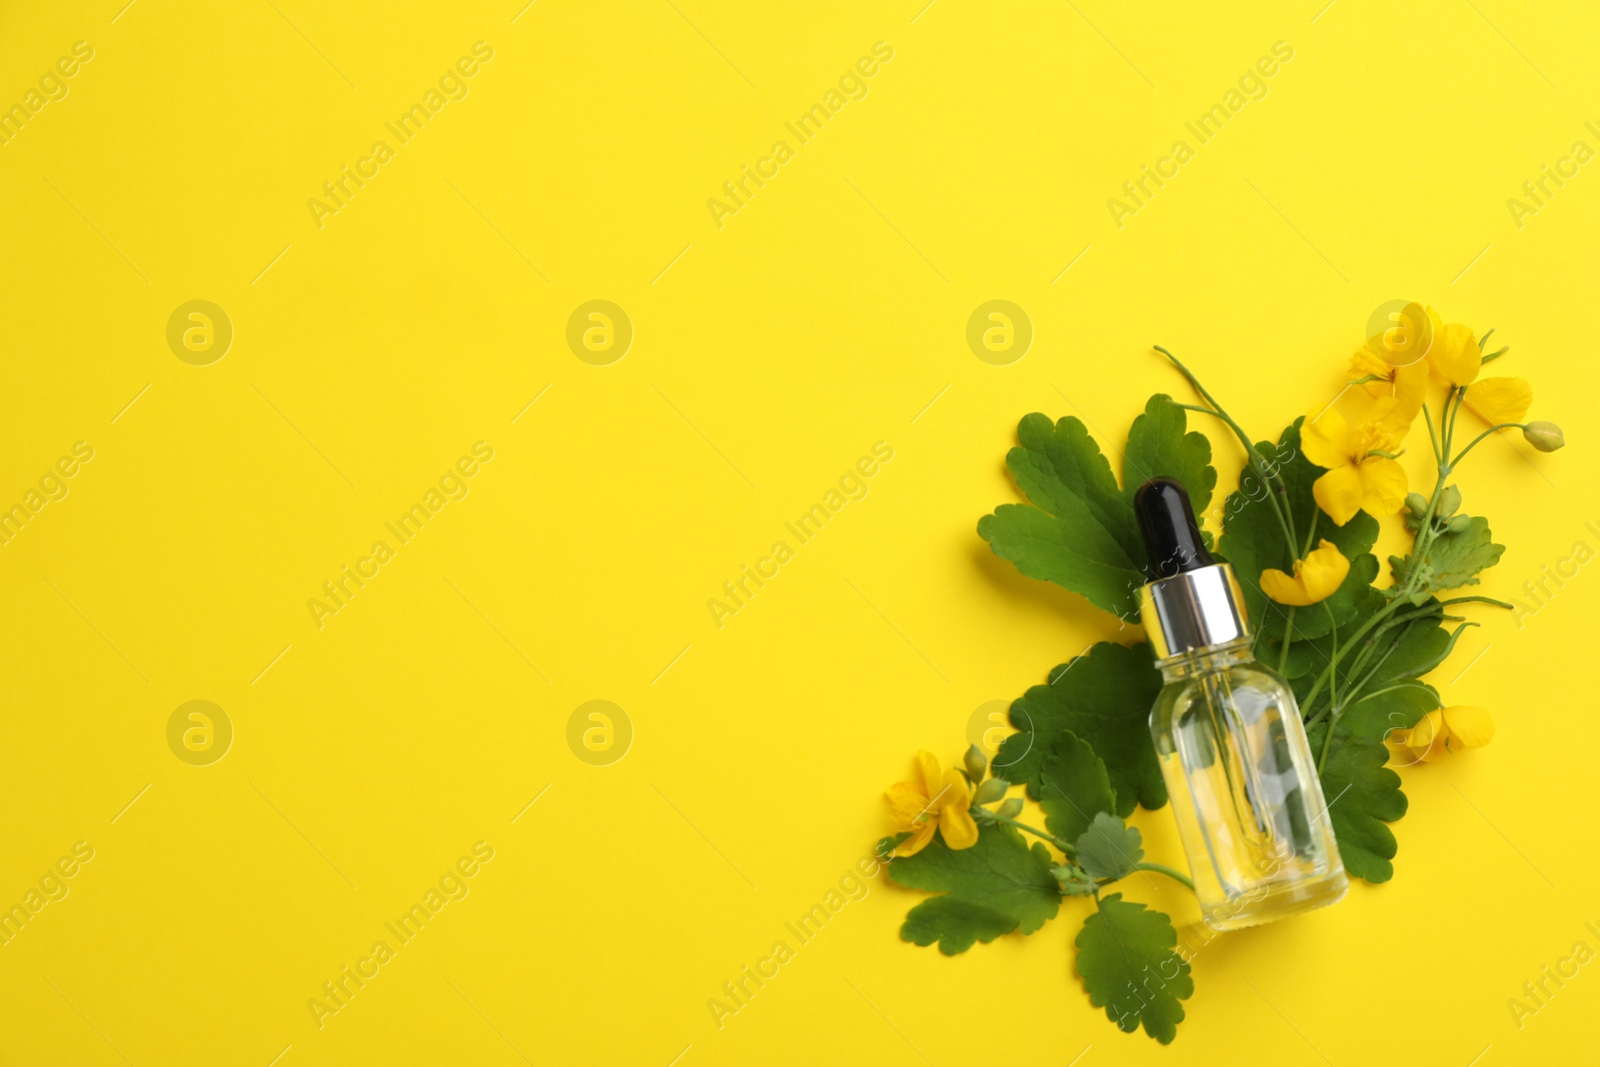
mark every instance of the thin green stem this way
{"type": "Point", "coordinates": [1259, 465]}
{"type": "Point", "coordinates": [1433, 437]}
{"type": "Point", "coordinates": [1311, 533]}
{"type": "Point", "coordinates": [1497, 426]}
{"type": "Point", "coordinates": [1288, 638]}
{"type": "Point", "coordinates": [1161, 868]}
{"type": "Point", "coordinates": [1478, 600]}
{"type": "Point", "coordinates": [1459, 394]}
{"type": "Point", "coordinates": [1333, 694]}
{"type": "Point", "coordinates": [989, 816]}
{"type": "Point", "coordinates": [1338, 653]}
{"type": "Point", "coordinates": [1272, 482]}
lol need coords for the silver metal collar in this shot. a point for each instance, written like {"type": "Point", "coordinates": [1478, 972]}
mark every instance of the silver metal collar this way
{"type": "Point", "coordinates": [1193, 611]}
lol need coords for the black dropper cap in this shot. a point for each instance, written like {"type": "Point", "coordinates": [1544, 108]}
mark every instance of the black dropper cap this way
{"type": "Point", "coordinates": [1172, 542]}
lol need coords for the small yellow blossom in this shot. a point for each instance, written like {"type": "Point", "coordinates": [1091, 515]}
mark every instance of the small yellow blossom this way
{"type": "Point", "coordinates": [1439, 732]}
{"type": "Point", "coordinates": [1498, 400]}
{"type": "Point", "coordinates": [1315, 578]}
{"type": "Point", "coordinates": [1356, 480]}
{"type": "Point", "coordinates": [936, 801]}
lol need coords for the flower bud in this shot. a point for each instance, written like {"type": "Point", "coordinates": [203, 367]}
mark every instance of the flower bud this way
{"type": "Point", "coordinates": [1011, 808]}
{"type": "Point", "coordinates": [1417, 504]}
{"type": "Point", "coordinates": [1545, 436]}
{"type": "Point", "coordinates": [1458, 524]}
{"type": "Point", "coordinates": [977, 763]}
{"type": "Point", "coordinates": [1449, 502]}
{"type": "Point", "coordinates": [991, 791]}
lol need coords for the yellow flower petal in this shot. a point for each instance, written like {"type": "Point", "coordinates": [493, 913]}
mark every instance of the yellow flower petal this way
{"type": "Point", "coordinates": [1410, 391]}
{"type": "Point", "coordinates": [1339, 492]}
{"type": "Point", "coordinates": [1282, 588]}
{"type": "Point", "coordinates": [918, 840]}
{"type": "Point", "coordinates": [1325, 439]}
{"type": "Point", "coordinates": [1315, 578]}
{"type": "Point", "coordinates": [958, 828]}
{"type": "Point", "coordinates": [1427, 740]}
{"type": "Point", "coordinates": [956, 792]}
{"type": "Point", "coordinates": [1455, 356]}
{"type": "Point", "coordinates": [1323, 571]}
{"type": "Point", "coordinates": [1500, 400]}
{"type": "Point", "coordinates": [1469, 727]}
{"type": "Point", "coordinates": [928, 771]}
{"type": "Point", "coordinates": [1383, 485]}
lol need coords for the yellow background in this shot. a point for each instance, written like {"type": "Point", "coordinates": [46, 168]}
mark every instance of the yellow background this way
{"type": "Point", "coordinates": [768, 355]}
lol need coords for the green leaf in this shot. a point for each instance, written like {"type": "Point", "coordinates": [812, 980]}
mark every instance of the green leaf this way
{"type": "Point", "coordinates": [1080, 531]}
{"type": "Point", "coordinates": [1452, 560]}
{"type": "Point", "coordinates": [1109, 849]}
{"type": "Point", "coordinates": [1397, 705]}
{"type": "Point", "coordinates": [1158, 447]}
{"type": "Point", "coordinates": [1128, 962]}
{"type": "Point", "coordinates": [1073, 787]}
{"type": "Point", "coordinates": [996, 886]}
{"type": "Point", "coordinates": [1362, 795]}
{"type": "Point", "coordinates": [1104, 698]}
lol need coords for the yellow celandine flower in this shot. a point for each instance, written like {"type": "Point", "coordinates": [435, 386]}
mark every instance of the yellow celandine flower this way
{"type": "Point", "coordinates": [1439, 732]}
{"type": "Point", "coordinates": [1456, 357]}
{"type": "Point", "coordinates": [1315, 578]}
{"type": "Point", "coordinates": [1356, 480]}
{"type": "Point", "coordinates": [1404, 388]}
{"type": "Point", "coordinates": [936, 801]}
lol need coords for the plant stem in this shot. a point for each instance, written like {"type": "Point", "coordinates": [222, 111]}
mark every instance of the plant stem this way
{"type": "Point", "coordinates": [1311, 534]}
{"type": "Point", "coordinates": [1433, 438]}
{"type": "Point", "coordinates": [1065, 846]}
{"type": "Point", "coordinates": [1478, 600]}
{"type": "Point", "coordinates": [1333, 694]}
{"type": "Point", "coordinates": [1271, 481]}
{"type": "Point", "coordinates": [1288, 636]}
{"type": "Point", "coordinates": [1161, 868]}
{"type": "Point", "coordinates": [1480, 437]}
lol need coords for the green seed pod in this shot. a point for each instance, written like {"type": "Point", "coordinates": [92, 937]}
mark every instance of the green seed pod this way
{"type": "Point", "coordinates": [1545, 436]}
{"type": "Point", "coordinates": [991, 791]}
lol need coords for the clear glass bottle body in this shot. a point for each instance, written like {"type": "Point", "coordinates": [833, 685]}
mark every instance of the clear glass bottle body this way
{"type": "Point", "coordinates": [1244, 789]}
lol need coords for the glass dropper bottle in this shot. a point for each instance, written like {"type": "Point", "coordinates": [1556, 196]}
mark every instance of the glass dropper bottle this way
{"type": "Point", "coordinates": [1228, 735]}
